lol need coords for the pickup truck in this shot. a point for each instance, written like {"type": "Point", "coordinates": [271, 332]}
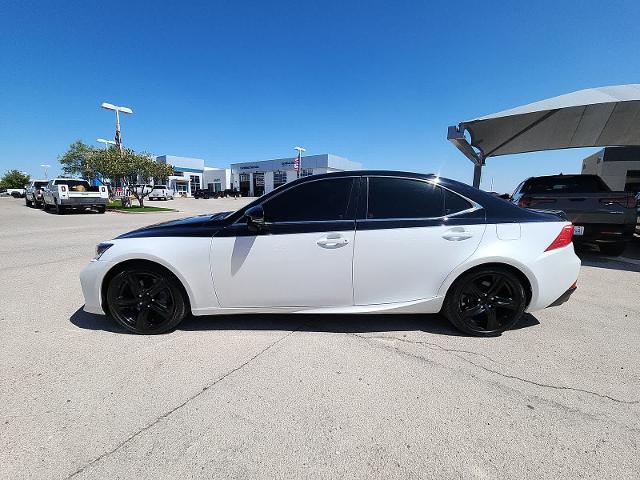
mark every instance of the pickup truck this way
{"type": "Point", "coordinates": [33, 193]}
{"type": "Point", "coordinates": [67, 193]}
{"type": "Point", "coordinates": [599, 215]}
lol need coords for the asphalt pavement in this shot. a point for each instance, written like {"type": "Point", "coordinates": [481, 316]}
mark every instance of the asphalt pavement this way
{"type": "Point", "coordinates": [299, 396]}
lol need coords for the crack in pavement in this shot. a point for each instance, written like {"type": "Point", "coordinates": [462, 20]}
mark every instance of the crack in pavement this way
{"type": "Point", "coordinates": [429, 344]}
{"type": "Point", "coordinates": [178, 407]}
{"type": "Point", "coordinates": [505, 375]}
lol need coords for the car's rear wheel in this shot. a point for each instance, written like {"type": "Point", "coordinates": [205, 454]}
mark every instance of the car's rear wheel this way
{"type": "Point", "coordinates": [59, 209]}
{"type": "Point", "coordinates": [613, 249]}
{"type": "Point", "coordinates": [485, 301]}
{"type": "Point", "coordinates": [28, 202]}
{"type": "Point", "coordinates": [146, 299]}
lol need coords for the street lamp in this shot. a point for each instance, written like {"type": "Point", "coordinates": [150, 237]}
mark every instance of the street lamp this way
{"type": "Point", "coordinates": [46, 167]}
{"type": "Point", "coordinates": [117, 109]}
{"type": "Point", "coordinates": [298, 163]}
{"type": "Point", "coordinates": [106, 142]}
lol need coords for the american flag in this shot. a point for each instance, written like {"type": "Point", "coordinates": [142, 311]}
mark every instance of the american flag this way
{"type": "Point", "coordinates": [297, 162]}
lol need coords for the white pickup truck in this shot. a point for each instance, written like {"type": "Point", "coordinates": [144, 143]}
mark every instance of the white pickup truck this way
{"type": "Point", "coordinates": [67, 193]}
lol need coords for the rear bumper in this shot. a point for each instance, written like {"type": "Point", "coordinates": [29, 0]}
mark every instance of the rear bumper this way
{"type": "Point", "coordinates": [83, 202]}
{"type": "Point", "coordinates": [604, 232]}
{"type": "Point", "coordinates": [564, 297]}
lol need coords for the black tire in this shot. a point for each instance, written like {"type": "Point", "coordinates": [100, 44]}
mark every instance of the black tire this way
{"type": "Point", "coordinates": [101, 209]}
{"type": "Point", "coordinates": [45, 207]}
{"type": "Point", "coordinates": [59, 209]}
{"type": "Point", "coordinates": [146, 299]}
{"type": "Point", "coordinates": [28, 202]}
{"type": "Point", "coordinates": [613, 249]}
{"type": "Point", "coordinates": [485, 301]}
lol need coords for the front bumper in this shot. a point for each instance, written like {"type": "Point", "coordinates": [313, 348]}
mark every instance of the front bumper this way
{"type": "Point", "coordinates": [91, 278]}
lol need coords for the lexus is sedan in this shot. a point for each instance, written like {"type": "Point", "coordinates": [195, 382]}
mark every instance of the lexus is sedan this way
{"type": "Point", "coordinates": [345, 242]}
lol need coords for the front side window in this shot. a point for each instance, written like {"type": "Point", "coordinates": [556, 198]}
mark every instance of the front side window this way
{"type": "Point", "coordinates": [393, 198]}
{"type": "Point", "coordinates": [322, 200]}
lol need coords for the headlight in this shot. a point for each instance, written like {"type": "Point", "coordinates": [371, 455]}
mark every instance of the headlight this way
{"type": "Point", "coordinates": [101, 248]}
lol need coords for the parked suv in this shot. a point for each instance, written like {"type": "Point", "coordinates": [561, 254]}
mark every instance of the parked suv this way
{"type": "Point", "coordinates": [67, 193]}
{"type": "Point", "coordinates": [33, 193]}
{"type": "Point", "coordinates": [599, 215]}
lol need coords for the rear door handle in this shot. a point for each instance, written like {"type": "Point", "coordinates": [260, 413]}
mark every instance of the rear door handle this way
{"type": "Point", "coordinates": [332, 240]}
{"type": "Point", "coordinates": [457, 234]}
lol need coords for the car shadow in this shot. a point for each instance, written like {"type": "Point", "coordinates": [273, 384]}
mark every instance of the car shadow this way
{"type": "Point", "coordinates": [325, 323]}
{"type": "Point", "coordinates": [629, 261]}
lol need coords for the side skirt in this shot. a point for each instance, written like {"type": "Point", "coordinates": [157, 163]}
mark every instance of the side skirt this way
{"type": "Point", "coordinates": [430, 305]}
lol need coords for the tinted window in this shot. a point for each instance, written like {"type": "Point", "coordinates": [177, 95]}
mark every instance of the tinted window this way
{"type": "Point", "coordinates": [566, 184]}
{"type": "Point", "coordinates": [403, 198]}
{"type": "Point", "coordinates": [312, 201]}
{"type": "Point", "coordinates": [454, 203]}
{"type": "Point", "coordinates": [39, 184]}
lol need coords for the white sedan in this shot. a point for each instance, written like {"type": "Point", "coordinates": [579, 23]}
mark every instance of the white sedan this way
{"type": "Point", "coordinates": [347, 242]}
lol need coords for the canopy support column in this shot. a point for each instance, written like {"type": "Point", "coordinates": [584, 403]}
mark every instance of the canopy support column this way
{"type": "Point", "coordinates": [456, 136]}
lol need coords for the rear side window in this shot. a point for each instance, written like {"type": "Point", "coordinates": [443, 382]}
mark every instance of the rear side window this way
{"type": "Point", "coordinates": [391, 198]}
{"type": "Point", "coordinates": [322, 200]}
{"type": "Point", "coordinates": [454, 203]}
{"type": "Point", "coordinates": [565, 184]}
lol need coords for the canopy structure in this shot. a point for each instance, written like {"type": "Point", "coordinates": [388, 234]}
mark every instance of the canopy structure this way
{"type": "Point", "coordinates": [595, 117]}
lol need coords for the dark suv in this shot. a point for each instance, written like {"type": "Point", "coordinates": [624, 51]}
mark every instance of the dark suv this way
{"type": "Point", "coordinates": [599, 215]}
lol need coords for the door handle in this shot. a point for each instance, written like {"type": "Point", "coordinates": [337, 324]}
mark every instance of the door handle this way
{"type": "Point", "coordinates": [457, 234]}
{"type": "Point", "coordinates": [332, 241]}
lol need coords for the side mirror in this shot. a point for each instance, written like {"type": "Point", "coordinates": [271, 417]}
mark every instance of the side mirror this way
{"type": "Point", "coordinates": [255, 218]}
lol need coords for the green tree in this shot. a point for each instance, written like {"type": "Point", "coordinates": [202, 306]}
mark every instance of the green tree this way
{"type": "Point", "coordinates": [128, 167]}
{"type": "Point", "coordinates": [75, 161]}
{"type": "Point", "coordinates": [14, 179]}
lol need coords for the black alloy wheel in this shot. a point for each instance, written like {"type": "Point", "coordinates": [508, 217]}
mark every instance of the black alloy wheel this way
{"type": "Point", "coordinates": [486, 302]}
{"type": "Point", "coordinates": [146, 299]}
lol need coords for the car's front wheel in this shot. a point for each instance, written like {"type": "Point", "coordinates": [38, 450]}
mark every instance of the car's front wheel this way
{"type": "Point", "coordinates": [146, 299]}
{"type": "Point", "coordinates": [486, 301]}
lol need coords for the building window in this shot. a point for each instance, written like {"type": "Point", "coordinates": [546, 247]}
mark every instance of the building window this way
{"type": "Point", "coordinates": [279, 178]}
{"type": "Point", "coordinates": [307, 172]}
{"type": "Point", "coordinates": [195, 182]}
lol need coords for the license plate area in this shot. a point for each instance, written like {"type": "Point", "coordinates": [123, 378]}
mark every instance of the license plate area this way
{"type": "Point", "coordinates": [578, 230]}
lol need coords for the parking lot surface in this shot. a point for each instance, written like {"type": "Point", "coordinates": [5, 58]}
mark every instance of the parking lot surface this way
{"type": "Point", "coordinates": [268, 396]}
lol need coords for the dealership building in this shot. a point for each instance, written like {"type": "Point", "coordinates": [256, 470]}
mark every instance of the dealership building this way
{"type": "Point", "coordinates": [257, 178]}
{"type": "Point", "coordinates": [190, 174]}
{"type": "Point", "coordinates": [619, 167]}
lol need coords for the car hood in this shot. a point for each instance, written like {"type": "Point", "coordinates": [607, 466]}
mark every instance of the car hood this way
{"type": "Point", "coordinates": [198, 226]}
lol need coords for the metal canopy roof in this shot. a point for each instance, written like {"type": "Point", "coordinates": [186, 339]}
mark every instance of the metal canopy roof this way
{"type": "Point", "coordinates": [595, 117]}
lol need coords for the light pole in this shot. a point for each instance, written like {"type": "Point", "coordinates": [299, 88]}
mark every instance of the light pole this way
{"type": "Point", "coordinates": [117, 109]}
{"type": "Point", "coordinates": [298, 163]}
{"type": "Point", "coordinates": [46, 167]}
{"type": "Point", "coordinates": [106, 142]}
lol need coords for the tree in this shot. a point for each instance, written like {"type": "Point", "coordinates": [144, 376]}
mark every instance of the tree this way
{"type": "Point", "coordinates": [75, 160]}
{"type": "Point", "coordinates": [128, 167]}
{"type": "Point", "coordinates": [14, 179]}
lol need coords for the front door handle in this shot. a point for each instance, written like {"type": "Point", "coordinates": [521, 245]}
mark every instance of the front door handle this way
{"type": "Point", "coordinates": [332, 240]}
{"type": "Point", "coordinates": [456, 234]}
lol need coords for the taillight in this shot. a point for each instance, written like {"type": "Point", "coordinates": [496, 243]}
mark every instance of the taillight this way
{"type": "Point", "coordinates": [526, 202]}
{"type": "Point", "coordinates": [627, 202]}
{"type": "Point", "coordinates": [563, 239]}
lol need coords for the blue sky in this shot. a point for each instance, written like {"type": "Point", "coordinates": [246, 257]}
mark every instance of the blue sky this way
{"type": "Point", "coordinates": [377, 82]}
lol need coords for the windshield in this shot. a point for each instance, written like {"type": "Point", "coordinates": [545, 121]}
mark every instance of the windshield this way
{"type": "Point", "coordinates": [39, 184]}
